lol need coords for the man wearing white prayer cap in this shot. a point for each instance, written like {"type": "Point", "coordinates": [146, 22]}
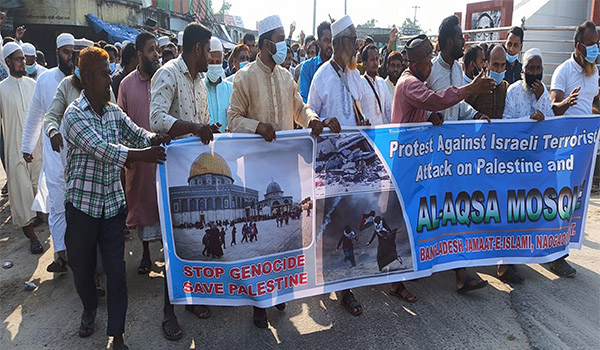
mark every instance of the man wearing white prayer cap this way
{"type": "Point", "coordinates": [529, 98]}
{"type": "Point", "coordinates": [33, 69]}
{"type": "Point", "coordinates": [16, 92]}
{"type": "Point", "coordinates": [162, 42]}
{"type": "Point", "coordinates": [50, 201]}
{"type": "Point", "coordinates": [260, 109]}
{"type": "Point", "coordinates": [219, 90]}
{"type": "Point", "coordinates": [336, 91]}
{"type": "Point", "coordinates": [180, 42]}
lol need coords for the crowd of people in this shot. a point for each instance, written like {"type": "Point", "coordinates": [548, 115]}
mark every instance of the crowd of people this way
{"type": "Point", "coordinates": [70, 131]}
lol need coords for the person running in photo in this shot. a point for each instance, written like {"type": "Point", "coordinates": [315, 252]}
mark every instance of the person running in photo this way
{"type": "Point", "coordinates": [347, 237]}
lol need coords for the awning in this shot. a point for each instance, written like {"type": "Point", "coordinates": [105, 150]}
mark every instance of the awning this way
{"type": "Point", "coordinates": [116, 32]}
{"type": "Point", "coordinates": [226, 43]}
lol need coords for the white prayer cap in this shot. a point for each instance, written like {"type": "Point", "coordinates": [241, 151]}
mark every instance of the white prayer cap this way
{"type": "Point", "coordinates": [83, 43]}
{"type": "Point", "coordinates": [215, 45]}
{"type": "Point", "coordinates": [28, 49]}
{"type": "Point", "coordinates": [162, 41]}
{"type": "Point", "coordinates": [338, 26]}
{"type": "Point", "coordinates": [64, 39]}
{"type": "Point", "coordinates": [119, 45]}
{"type": "Point", "coordinates": [10, 48]}
{"type": "Point", "coordinates": [268, 24]}
{"type": "Point", "coordinates": [125, 42]}
{"type": "Point", "coordinates": [180, 38]}
{"type": "Point", "coordinates": [529, 54]}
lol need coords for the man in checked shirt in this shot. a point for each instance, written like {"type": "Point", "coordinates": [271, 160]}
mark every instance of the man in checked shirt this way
{"type": "Point", "coordinates": [101, 140]}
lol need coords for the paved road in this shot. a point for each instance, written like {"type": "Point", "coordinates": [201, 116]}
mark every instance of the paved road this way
{"type": "Point", "coordinates": [544, 313]}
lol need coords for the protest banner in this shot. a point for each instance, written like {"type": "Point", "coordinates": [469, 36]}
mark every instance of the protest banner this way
{"type": "Point", "coordinates": [247, 222]}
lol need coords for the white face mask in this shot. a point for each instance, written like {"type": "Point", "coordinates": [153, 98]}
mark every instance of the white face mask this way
{"type": "Point", "coordinates": [215, 71]}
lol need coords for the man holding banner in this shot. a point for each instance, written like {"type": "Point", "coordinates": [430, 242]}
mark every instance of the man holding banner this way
{"type": "Point", "coordinates": [260, 110]}
{"type": "Point", "coordinates": [578, 76]}
{"type": "Point", "coordinates": [179, 106]}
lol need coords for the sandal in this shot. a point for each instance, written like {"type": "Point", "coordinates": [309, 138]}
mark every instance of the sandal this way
{"type": "Point", "coordinates": [35, 247]}
{"type": "Point", "coordinates": [260, 318]}
{"type": "Point", "coordinates": [404, 294]}
{"type": "Point", "coordinates": [511, 276]}
{"type": "Point", "coordinates": [171, 329]}
{"type": "Point", "coordinates": [86, 327]}
{"type": "Point", "coordinates": [562, 268]}
{"type": "Point", "coordinates": [280, 307]}
{"type": "Point", "coordinates": [58, 266]}
{"type": "Point", "coordinates": [351, 304]}
{"type": "Point", "coordinates": [201, 311]}
{"type": "Point", "coordinates": [145, 265]}
{"type": "Point", "coordinates": [471, 283]}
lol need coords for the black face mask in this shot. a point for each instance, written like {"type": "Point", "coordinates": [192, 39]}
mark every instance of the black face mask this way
{"type": "Point", "coordinates": [531, 78]}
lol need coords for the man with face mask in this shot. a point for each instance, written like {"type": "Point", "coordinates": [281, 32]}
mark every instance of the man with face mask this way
{"type": "Point", "coordinates": [447, 71]}
{"type": "Point", "coordinates": [578, 77]}
{"type": "Point", "coordinates": [529, 98]}
{"type": "Point", "coordinates": [474, 62]}
{"type": "Point", "coordinates": [45, 89]}
{"type": "Point", "coordinates": [219, 90]}
{"type": "Point", "coordinates": [336, 90]}
{"type": "Point", "coordinates": [513, 46]}
{"type": "Point", "coordinates": [33, 69]}
{"type": "Point", "coordinates": [492, 104]}
{"type": "Point", "coordinates": [265, 100]}
{"type": "Point", "coordinates": [16, 92]}
{"type": "Point", "coordinates": [140, 178]}
{"type": "Point", "coordinates": [310, 67]}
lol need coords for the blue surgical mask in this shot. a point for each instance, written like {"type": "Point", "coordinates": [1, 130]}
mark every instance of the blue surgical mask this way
{"type": "Point", "coordinates": [591, 53]}
{"type": "Point", "coordinates": [30, 69]}
{"type": "Point", "coordinates": [243, 64]}
{"type": "Point", "coordinates": [215, 72]}
{"type": "Point", "coordinates": [511, 59]}
{"type": "Point", "coordinates": [302, 59]}
{"type": "Point", "coordinates": [113, 66]}
{"type": "Point", "coordinates": [498, 77]}
{"type": "Point", "coordinates": [279, 56]}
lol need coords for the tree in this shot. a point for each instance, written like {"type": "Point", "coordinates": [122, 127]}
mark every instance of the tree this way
{"type": "Point", "coordinates": [369, 24]}
{"type": "Point", "coordinates": [410, 27]}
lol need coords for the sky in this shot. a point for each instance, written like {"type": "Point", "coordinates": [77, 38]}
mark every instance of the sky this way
{"type": "Point", "coordinates": [385, 12]}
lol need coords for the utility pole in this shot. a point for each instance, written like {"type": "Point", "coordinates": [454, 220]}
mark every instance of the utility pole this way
{"type": "Point", "coordinates": [416, 7]}
{"type": "Point", "coordinates": [315, 18]}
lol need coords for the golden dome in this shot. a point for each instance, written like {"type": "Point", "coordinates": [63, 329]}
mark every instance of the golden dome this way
{"type": "Point", "coordinates": [210, 163]}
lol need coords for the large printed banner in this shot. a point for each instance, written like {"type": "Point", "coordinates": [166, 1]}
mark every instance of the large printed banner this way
{"type": "Point", "coordinates": [246, 222]}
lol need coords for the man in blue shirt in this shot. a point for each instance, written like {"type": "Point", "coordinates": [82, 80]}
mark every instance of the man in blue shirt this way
{"type": "Point", "coordinates": [309, 68]}
{"type": "Point", "coordinates": [219, 90]}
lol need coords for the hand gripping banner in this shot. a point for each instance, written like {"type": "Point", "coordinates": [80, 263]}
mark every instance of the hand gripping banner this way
{"type": "Point", "coordinates": [247, 222]}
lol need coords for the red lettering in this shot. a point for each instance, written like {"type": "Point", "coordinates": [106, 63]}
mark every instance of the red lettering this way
{"type": "Point", "coordinates": [234, 273]}
{"type": "Point", "coordinates": [232, 288]}
{"type": "Point", "coordinates": [187, 271]}
{"type": "Point", "coordinates": [187, 287]}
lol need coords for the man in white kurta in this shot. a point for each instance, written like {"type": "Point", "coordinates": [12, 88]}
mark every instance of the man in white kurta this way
{"type": "Point", "coordinates": [53, 165]}
{"type": "Point", "coordinates": [16, 92]}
